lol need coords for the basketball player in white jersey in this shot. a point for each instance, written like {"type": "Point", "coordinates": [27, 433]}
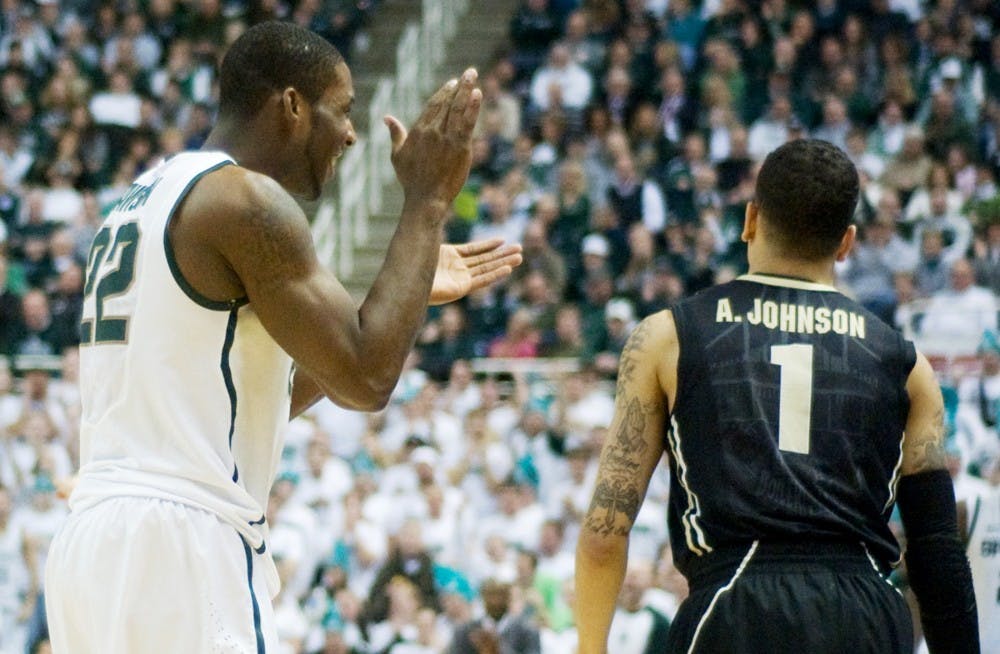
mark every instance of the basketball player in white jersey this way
{"type": "Point", "coordinates": [983, 520]}
{"type": "Point", "coordinates": [203, 287]}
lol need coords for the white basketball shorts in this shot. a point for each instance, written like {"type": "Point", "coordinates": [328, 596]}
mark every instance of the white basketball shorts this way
{"type": "Point", "coordinates": [138, 575]}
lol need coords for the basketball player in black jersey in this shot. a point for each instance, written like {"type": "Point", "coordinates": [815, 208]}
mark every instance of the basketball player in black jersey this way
{"type": "Point", "coordinates": [793, 420]}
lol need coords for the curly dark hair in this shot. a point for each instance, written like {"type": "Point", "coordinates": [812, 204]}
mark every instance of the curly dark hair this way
{"type": "Point", "coordinates": [807, 191]}
{"type": "Point", "coordinates": [270, 57]}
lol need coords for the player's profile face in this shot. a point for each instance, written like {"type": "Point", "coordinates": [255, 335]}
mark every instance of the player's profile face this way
{"type": "Point", "coordinates": [332, 131]}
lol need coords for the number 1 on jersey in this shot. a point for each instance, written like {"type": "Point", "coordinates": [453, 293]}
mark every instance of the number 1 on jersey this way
{"type": "Point", "coordinates": [795, 399]}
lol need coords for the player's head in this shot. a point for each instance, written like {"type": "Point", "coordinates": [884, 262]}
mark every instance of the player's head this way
{"type": "Point", "coordinates": [299, 85]}
{"type": "Point", "coordinates": [806, 194]}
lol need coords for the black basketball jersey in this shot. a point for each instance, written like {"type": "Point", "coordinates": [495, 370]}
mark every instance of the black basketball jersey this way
{"type": "Point", "coordinates": [788, 419]}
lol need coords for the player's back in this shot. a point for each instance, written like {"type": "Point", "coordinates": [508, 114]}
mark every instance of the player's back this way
{"type": "Point", "coordinates": [182, 395]}
{"type": "Point", "coordinates": [788, 420]}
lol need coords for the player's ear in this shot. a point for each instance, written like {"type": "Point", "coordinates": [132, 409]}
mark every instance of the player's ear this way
{"type": "Point", "coordinates": [292, 104]}
{"type": "Point", "coordinates": [750, 222]}
{"type": "Point", "coordinates": [847, 242]}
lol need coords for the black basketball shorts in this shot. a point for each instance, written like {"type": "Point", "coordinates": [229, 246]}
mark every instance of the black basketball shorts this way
{"type": "Point", "coordinates": [782, 599]}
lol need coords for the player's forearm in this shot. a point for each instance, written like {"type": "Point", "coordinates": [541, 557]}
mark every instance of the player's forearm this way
{"type": "Point", "coordinates": [600, 569]}
{"type": "Point", "coordinates": [394, 309]}
{"type": "Point", "coordinates": [938, 569]}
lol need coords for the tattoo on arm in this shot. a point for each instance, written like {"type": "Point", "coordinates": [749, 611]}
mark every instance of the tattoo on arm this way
{"type": "Point", "coordinates": [629, 360]}
{"type": "Point", "coordinates": [618, 490]}
{"type": "Point", "coordinates": [614, 497]}
{"type": "Point", "coordinates": [928, 449]}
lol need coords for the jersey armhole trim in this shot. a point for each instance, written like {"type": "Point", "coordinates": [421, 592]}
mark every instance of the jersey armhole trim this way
{"type": "Point", "coordinates": [972, 523]}
{"type": "Point", "coordinates": [678, 395]}
{"type": "Point", "coordinates": [175, 270]}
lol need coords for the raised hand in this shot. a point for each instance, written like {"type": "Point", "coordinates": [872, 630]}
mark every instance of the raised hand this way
{"type": "Point", "coordinates": [432, 159]}
{"type": "Point", "coordinates": [467, 267]}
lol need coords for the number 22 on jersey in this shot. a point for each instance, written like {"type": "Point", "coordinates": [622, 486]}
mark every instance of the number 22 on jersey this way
{"type": "Point", "coordinates": [795, 397]}
{"type": "Point", "coordinates": [110, 272]}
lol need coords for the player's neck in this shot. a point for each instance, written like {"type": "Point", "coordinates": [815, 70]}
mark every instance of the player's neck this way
{"type": "Point", "coordinates": [244, 145]}
{"type": "Point", "coordinates": [820, 272]}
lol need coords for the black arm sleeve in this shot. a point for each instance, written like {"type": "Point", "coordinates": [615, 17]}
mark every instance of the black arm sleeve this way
{"type": "Point", "coordinates": [938, 570]}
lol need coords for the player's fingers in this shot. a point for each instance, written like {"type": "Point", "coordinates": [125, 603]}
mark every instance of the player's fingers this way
{"type": "Point", "coordinates": [471, 113]}
{"type": "Point", "coordinates": [509, 261]}
{"type": "Point", "coordinates": [454, 120]}
{"type": "Point", "coordinates": [478, 247]}
{"type": "Point", "coordinates": [436, 108]}
{"type": "Point", "coordinates": [491, 277]}
{"type": "Point", "coordinates": [491, 255]}
{"type": "Point", "coordinates": [397, 132]}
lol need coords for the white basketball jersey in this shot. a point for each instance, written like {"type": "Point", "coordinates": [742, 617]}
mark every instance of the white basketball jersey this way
{"type": "Point", "coordinates": [184, 398]}
{"type": "Point", "coordinates": [984, 557]}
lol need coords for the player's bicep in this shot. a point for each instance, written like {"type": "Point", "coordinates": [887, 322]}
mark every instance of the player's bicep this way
{"type": "Point", "coordinates": [300, 303]}
{"type": "Point", "coordinates": [923, 441]}
{"type": "Point", "coordinates": [634, 443]}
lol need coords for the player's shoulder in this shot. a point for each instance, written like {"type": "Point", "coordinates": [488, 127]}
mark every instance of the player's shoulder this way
{"type": "Point", "coordinates": [230, 188]}
{"type": "Point", "coordinates": [654, 332]}
{"type": "Point", "coordinates": [232, 203]}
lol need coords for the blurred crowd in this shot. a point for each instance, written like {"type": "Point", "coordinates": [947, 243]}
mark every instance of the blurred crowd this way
{"type": "Point", "coordinates": [618, 141]}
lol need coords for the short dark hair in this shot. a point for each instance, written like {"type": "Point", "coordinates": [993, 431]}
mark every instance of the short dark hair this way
{"type": "Point", "coordinates": [270, 57]}
{"type": "Point", "coordinates": [807, 191]}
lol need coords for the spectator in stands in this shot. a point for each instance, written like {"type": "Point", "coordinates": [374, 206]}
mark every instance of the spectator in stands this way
{"type": "Point", "coordinates": [561, 84]}
{"type": "Point", "coordinates": [636, 199]}
{"type": "Point", "coordinates": [875, 261]}
{"type": "Point", "coordinates": [584, 48]}
{"type": "Point", "coordinates": [959, 315]}
{"type": "Point", "coordinates": [497, 630]}
{"type": "Point", "coordinates": [986, 249]}
{"type": "Point", "coordinates": [410, 560]}
{"type": "Point", "coordinates": [770, 130]}
{"type": "Point", "coordinates": [443, 342]}
{"type": "Point", "coordinates": [66, 303]}
{"type": "Point", "coordinates": [677, 112]}
{"type": "Point", "coordinates": [532, 30]}
{"type": "Point", "coordinates": [400, 624]}
{"type": "Point", "coordinates": [945, 126]}
{"type": "Point", "coordinates": [573, 219]}
{"type": "Point", "coordinates": [650, 146]}
{"type": "Point", "coordinates": [540, 257]}
{"type": "Point", "coordinates": [500, 220]}
{"type": "Point", "coordinates": [619, 321]}
{"type": "Point", "coordinates": [119, 105]}
{"type": "Point", "coordinates": [886, 139]}
{"type": "Point", "coordinates": [639, 269]}
{"type": "Point", "coordinates": [637, 627]}
{"type": "Point", "coordinates": [538, 297]}
{"type": "Point", "coordinates": [836, 124]}
{"type": "Point", "coordinates": [911, 165]}
{"type": "Point", "coordinates": [461, 394]}
{"type": "Point", "coordinates": [37, 334]}
{"type": "Point", "coordinates": [554, 558]}
{"type": "Point", "coordinates": [10, 309]}
{"type": "Point", "coordinates": [566, 337]}
{"type": "Point", "coordinates": [955, 229]}
{"type": "Point", "coordinates": [978, 411]}
{"type": "Point", "coordinates": [617, 95]}
{"type": "Point", "coordinates": [500, 109]}
{"type": "Point", "coordinates": [939, 177]}
{"type": "Point", "coordinates": [519, 340]}
{"type": "Point", "coordinates": [661, 291]}
{"type": "Point", "coordinates": [931, 273]}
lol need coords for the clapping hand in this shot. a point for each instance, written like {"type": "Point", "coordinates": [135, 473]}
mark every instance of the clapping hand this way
{"type": "Point", "coordinates": [468, 267]}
